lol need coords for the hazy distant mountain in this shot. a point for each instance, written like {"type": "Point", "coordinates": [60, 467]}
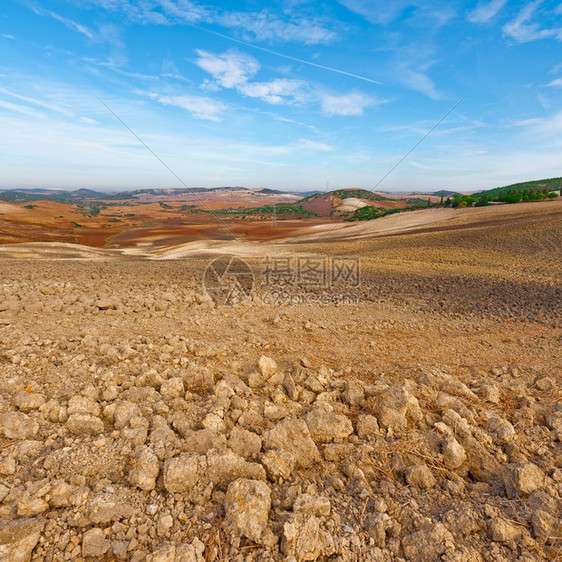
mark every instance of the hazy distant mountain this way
{"type": "Point", "coordinates": [444, 193]}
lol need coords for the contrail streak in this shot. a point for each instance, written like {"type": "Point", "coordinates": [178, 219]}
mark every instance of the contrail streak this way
{"type": "Point", "coordinates": [418, 143]}
{"type": "Point", "coordinates": [288, 57]}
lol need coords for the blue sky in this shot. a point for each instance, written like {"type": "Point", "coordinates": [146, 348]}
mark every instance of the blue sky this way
{"type": "Point", "coordinates": [286, 94]}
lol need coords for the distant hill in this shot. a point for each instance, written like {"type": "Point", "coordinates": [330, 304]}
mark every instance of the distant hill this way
{"type": "Point", "coordinates": [29, 195]}
{"type": "Point", "coordinates": [444, 193]}
{"type": "Point", "coordinates": [552, 184]}
{"type": "Point", "coordinates": [307, 193]}
{"type": "Point", "coordinates": [347, 193]}
{"type": "Point", "coordinates": [268, 191]}
{"type": "Point", "coordinates": [359, 194]}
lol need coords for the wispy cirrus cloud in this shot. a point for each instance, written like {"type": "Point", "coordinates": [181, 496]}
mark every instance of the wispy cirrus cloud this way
{"type": "Point", "coordinates": [57, 107]}
{"type": "Point", "coordinates": [106, 33]}
{"type": "Point", "coordinates": [71, 24]}
{"type": "Point", "coordinates": [200, 107]}
{"type": "Point", "coordinates": [546, 127]}
{"type": "Point", "coordinates": [384, 13]}
{"type": "Point", "coordinates": [264, 26]}
{"type": "Point", "coordinates": [523, 30]}
{"type": "Point", "coordinates": [307, 144]}
{"type": "Point", "coordinates": [555, 83]}
{"type": "Point", "coordinates": [486, 11]}
{"type": "Point", "coordinates": [258, 25]}
{"type": "Point", "coordinates": [354, 103]}
{"type": "Point", "coordinates": [378, 12]}
{"type": "Point", "coordinates": [411, 68]}
{"type": "Point", "coordinates": [18, 108]}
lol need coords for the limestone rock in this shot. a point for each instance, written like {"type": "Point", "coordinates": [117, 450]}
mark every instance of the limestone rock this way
{"type": "Point", "coordinates": [124, 413]}
{"type": "Point", "coordinates": [28, 401]}
{"type": "Point", "coordinates": [293, 435]}
{"type": "Point", "coordinates": [367, 427]}
{"type": "Point", "coordinates": [17, 425]}
{"type": "Point", "coordinates": [312, 505]}
{"type": "Point", "coordinates": [202, 440]}
{"type": "Point", "coordinates": [181, 473]}
{"type": "Point", "coordinates": [305, 539]}
{"type": "Point", "coordinates": [79, 424]}
{"type": "Point", "coordinates": [523, 478]}
{"type": "Point", "coordinates": [325, 425]}
{"type": "Point", "coordinates": [105, 508]}
{"type": "Point", "coordinates": [18, 538]}
{"type": "Point", "coordinates": [420, 477]}
{"type": "Point", "coordinates": [354, 393]}
{"type": "Point", "coordinates": [94, 543]}
{"type": "Point", "coordinates": [429, 543]}
{"type": "Point", "coordinates": [500, 429]}
{"type": "Point", "coordinates": [83, 405]}
{"type": "Point", "coordinates": [502, 531]}
{"type": "Point", "coordinates": [145, 469]}
{"type": "Point", "coordinates": [244, 443]}
{"type": "Point", "coordinates": [278, 463]}
{"type": "Point", "coordinates": [225, 466]}
{"type": "Point", "coordinates": [454, 454]}
{"type": "Point", "coordinates": [247, 508]}
{"type": "Point", "coordinates": [267, 366]}
{"type": "Point", "coordinates": [172, 388]}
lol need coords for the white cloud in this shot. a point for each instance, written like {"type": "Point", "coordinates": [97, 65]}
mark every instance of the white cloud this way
{"type": "Point", "coordinates": [383, 13]}
{"type": "Point", "coordinates": [233, 70]}
{"type": "Point", "coordinates": [230, 69]}
{"type": "Point", "coordinates": [521, 30]}
{"type": "Point", "coordinates": [71, 24]}
{"type": "Point", "coordinates": [484, 12]}
{"type": "Point", "coordinates": [170, 70]}
{"type": "Point", "coordinates": [200, 107]}
{"type": "Point", "coordinates": [7, 36]}
{"type": "Point", "coordinates": [264, 26]}
{"type": "Point", "coordinates": [419, 82]}
{"type": "Point", "coordinates": [411, 70]}
{"type": "Point", "coordinates": [89, 121]}
{"type": "Point", "coordinates": [41, 103]}
{"type": "Point", "coordinates": [375, 11]}
{"type": "Point", "coordinates": [556, 83]}
{"type": "Point", "coordinates": [306, 144]}
{"type": "Point", "coordinates": [549, 127]}
{"type": "Point", "coordinates": [346, 104]}
{"type": "Point", "coordinates": [17, 108]}
{"type": "Point", "coordinates": [276, 91]}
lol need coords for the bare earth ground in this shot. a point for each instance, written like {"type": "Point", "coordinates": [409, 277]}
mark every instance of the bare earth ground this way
{"type": "Point", "coordinates": [139, 421]}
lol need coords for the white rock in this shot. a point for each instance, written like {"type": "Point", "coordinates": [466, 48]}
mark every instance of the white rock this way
{"type": "Point", "coordinates": [292, 435]}
{"type": "Point", "coordinates": [181, 473]}
{"type": "Point", "coordinates": [84, 424]}
{"type": "Point", "coordinates": [267, 366]}
{"type": "Point", "coordinates": [18, 538]}
{"type": "Point", "coordinates": [325, 425]}
{"type": "Point", "coordinates": [247, 508]}
{"type": "Point", "coordinates": [94, 543]}
{"type": "Point", "coordinates": [420, 477]}
{"type": "Point", "coordinates": [145, 469]}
